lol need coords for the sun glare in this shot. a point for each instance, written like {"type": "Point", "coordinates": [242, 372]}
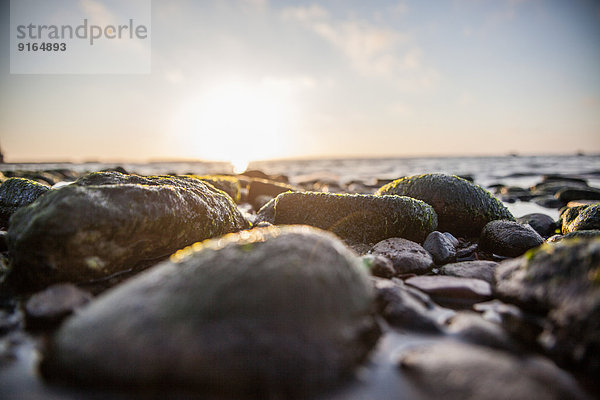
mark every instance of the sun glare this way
{"type": "Point", "coordinates": [236, 123]}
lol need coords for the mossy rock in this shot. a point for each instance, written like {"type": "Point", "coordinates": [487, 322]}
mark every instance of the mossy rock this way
{"type": "Point", "coordinates": [264, 187]}
{"type": "Point", "coordinates": [463, 208]}
{"type": "Point", "coordinates": [265, 313]}
{"type": "Point", "coordinates": [16, 193]}
{"type": "Point", "coordinates": [356, 218]}
{"type": "Point", "coordinates": [581, 218]}
{"type": "Point", "coordinates": [78, 233]}
{"type": "Point", "coordinates": [228, 184]}
{"type": "Point", "coordinates": [562, 281]}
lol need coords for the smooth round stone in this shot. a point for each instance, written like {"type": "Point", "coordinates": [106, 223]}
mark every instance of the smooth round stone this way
{"type": "Point", "coordinates": [478, 269]}
{"type": "Point", "coordinates": [406, 256]}
{"type": "Point", "coordinates": [451, 370]}
{"type": "Point", "coordinates": [541, 223]}
{"type": "Point", "coordinates": [450, 290]}
{"type": "Point", "coordinates": [509, 238]}
{"type": "Point", "coordinates": [54, 303]}
{"type": "Point", "coordinates": [266, 313]}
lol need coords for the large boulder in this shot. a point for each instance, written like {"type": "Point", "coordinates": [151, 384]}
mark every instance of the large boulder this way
{"type": "Point", "coordinates": [16, 193]}
{"type": "Point", "coordinates": [354, 217]}
{"type": "Point", "coordinates": [561, 281]}
{"type": "Point", "coordinates": [463, 208]}
{"type": "Point", "coordinates": [266, 313]}
{"type": "Point", "coordinates": [87, 231]}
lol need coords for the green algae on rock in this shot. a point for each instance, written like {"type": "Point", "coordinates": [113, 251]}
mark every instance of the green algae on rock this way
{"type": "Point", "coordinates": [77, 233]}
{"type": "Point", "coordinates": [229, 184]}
{"type": "Point", "coordinates": [561, 280]}
{"type": "Point", "coordinates": [463, 208]}
{"type": "Point", "coordinates": [581, 218]}
{"type": "Point", "coordinates": [16, 193]}
{"type": "Point", "coordinates": [267, 313]}
{"type": "Point", "coordinates": [354, 217]}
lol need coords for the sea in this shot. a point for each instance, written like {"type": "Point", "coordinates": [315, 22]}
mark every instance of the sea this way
{"type": "Point", "coordinates": [510, 170]}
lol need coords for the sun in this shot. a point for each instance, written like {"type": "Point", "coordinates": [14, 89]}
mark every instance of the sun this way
{"type": "Point", "coordinates": [236, 122]}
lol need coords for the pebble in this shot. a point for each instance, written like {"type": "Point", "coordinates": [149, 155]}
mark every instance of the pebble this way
{"type": "Point", "coordinates": [451, 290]}
{"type": "Point", "coordinates": [54, 303]}
{"type": "Point", "coordinates": [453, 370]}
{"type": "Point", "coordinates": [408, 308]}
{"type": "Point", "coordinates": [541, 223]}
{"type": "Point", "coordinates": [406, 256]}
{"type": "Point", "coordinates": [379, 265]}
{"type": "Point", "coordinates": [441, 248]}
{"type": "Point", "coordinates": [478, 269]}
{"type": "Point", "coordinates": [508, 238]}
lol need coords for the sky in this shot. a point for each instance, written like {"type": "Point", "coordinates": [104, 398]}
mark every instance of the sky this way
{"type": "Point", "coordinates": [242, 80]}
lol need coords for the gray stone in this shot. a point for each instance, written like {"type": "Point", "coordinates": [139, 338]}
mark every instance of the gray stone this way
{"type": "Point", "coordinates": [508, 238]}
{"type": "Point", "coordinates": [541, 223]}
{"type": "Point", "coordinates": [406, 256]}
{"type": "Point", "coordinates": [88, 231]}
{"type": "Point", "coordinates": [478, 269]}
{"type": "Point", "coordinates": [562, 282]}
{"type": "Point", "coordinates": [265, 313]}
{"type": "Point", "coordinates": [452, 370]}
{"type": "Point", "coordinates": [354, 217]}
{"type": "Point", "coordinates": [379, 265]}
{"type": "Point", "coordinates": [54, 303]}
{"type": "Point", "coordinates": [570, 194]}
{"type": "Point", "coordinates": [472, 328]}
{"type": "Point", "coordinates": [452, 291]}
{"type": "Point", "coordinates": [463, 208]}
{"type": "Point", "coordinates": [441, 248]}
{"type": "Point", "coordinates": [408, 308]}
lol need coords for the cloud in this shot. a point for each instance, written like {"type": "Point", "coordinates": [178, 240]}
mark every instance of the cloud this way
{"type": "Point", "coordinates": [371, 49]}
{"type": "Point", "coordinates": [96, 12]}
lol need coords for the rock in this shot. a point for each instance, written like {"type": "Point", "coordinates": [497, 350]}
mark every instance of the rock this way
{"type": "Point", "coordinates": [406, 256]}
{"type": "Point", "coordinates": [261, 175]}
{"type": "Point", "coordinates": [51, 305]}
{"type": "Point", "coordinates": [562, 281]}
{"type": "Point", "coordinates": [379, 266]}
{"type": "Point", "coordinates": [264, 187]}
{"type": "Point", "coordinates": [3, 241]}
{"type": "Point", "coordinates": [576, 203]}
{"type": "Point", "coordinates": [78, 233]}
{"type": "Point", "coordinates": [472, 328]}
{"type": "Point", "coordinates": [453, 370]}
{"type": "Point", "coordinates": [463, 208]}
{"type": "Point", "coordinates": [508, 238]}
{"type": "Point", "coordinates": [585, 234]}
{"type": "Point", "coordinates": [260, 201]}
{"type": "Point", "coordinates": [455, 242]}
{"type": "Point", "coordinates": [547, 201]}
{"type": "Point", "coordinates": [541, 223]}
{"type": "Point", "coordinates": [441, 248]}
{"type": "Point", "coordinates": [570, 194]}
{"type": "Point", "coordinates": [553, 187]}
{"type": "Point", "coordinates": [265, 313]}
{"type": "Point", "coordinates": [354, 217]}
{"type": "Point", "coordinates": [405, 307]}
{"type": "Point", "coordinates": [452, 291]}
{"type": "Point", "coordinates": [576, 180]}
{"type": "Point", "coordinates": [516, 193]}
{"type": "Point", "coordinates": [16, 193]}
{"type": "Point", "coordinates": [483, 270]}
{"type": "Point", "coordinates": [228, 184]}
{"type": "Point", "coordinates": [581, 218]}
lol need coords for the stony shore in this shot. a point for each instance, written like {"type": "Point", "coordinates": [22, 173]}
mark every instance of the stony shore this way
{"type": "Point", "coordinates": [245, 286]}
